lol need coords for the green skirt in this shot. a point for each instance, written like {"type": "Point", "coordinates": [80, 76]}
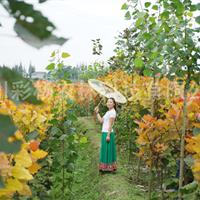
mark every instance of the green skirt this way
{"type": "Point", "coordinates": [108, 155]}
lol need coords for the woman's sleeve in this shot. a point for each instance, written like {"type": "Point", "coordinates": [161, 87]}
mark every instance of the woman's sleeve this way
{"type": "Point", "coordinates": [113, 114]}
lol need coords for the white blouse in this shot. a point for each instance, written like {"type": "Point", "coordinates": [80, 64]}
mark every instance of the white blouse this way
{"type": "Point", "coordinates": [106, 117]}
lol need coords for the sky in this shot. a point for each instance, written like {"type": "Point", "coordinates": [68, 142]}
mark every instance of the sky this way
{"type": "Point", "coordinates": [80, 21]}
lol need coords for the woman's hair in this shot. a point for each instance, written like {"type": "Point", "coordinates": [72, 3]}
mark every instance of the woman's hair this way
{"type": "Point", "coordinates": [115, 104]}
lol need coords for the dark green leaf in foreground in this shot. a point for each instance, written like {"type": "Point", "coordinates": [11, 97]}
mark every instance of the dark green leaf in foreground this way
{"type": "Point", "coordinates": [7, 129]}
{"type": "Point", "coordinates": [19, 89]}
{"type": "Point", "coordinates": [1, 183]}
{"type": "Point", "coordinates": [31, 25]}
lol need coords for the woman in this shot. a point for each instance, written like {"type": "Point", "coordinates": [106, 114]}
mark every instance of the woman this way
{"type": "Point", "coordinates": [108, 159]}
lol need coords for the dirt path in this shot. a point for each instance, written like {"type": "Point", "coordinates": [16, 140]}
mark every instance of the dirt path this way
{"type": "Point", "coordinates": [90, 184]}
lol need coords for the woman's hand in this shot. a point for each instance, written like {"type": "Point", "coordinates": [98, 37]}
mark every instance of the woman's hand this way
{"type": "Point", "coordinates": [107, 138]}
{"type": "Point", "coordinates": [96, 110]}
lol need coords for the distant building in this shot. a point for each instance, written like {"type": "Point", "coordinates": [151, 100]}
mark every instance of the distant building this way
{"type": "Point", "coordinates": [39, 75]}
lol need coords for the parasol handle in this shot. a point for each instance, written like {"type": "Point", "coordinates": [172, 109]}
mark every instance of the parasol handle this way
{"type": "Point", "coordinates": [100, 102]}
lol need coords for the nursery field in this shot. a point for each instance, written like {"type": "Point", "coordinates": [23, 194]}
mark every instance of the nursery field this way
{"type": "Point", "coordinates": [52, 151]}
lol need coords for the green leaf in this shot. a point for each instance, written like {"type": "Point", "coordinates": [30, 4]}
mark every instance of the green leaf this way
{"type": "Point", "coordinates": [70, 167]}
{"type": "Point", "coordinates": [147, 4]}
{"type": "Point", "coordinates": [73, 153]}
{"type": "Point", "coordinates": [42, 1]}
{"type": "Point", "coordinates": [31, 136]}
{"type": "Point", "coordinates": [193, 8]}
{"type": "Point", "coordinates": [189, 160]}
{"type": "Point", "coordinates": [55, 131]}
{"type": "Point", "coordinates": [189, 188]}
{"type": "Point", "coordinates": [152, 26]}
{"type": "Point", "coordinates": [34, 41]}
{"type": "Point", "coordinates": [65, 55]}
{"type": "Point", "coordinates": [83, 140]}
{"type": "Point", "coordinates": [128, 16]}
{"type": "Point", "coordinates": [40, 27]}
{"type": "Point", "coordinates": [138, 22]}
{"type": "Point", "coordinates": [155, 7]}
{"type": "Point", "coordinates": [124, 7]}
{"type": "Point", "coordinates": [197, 19]}
{"type": "Point", "coordinates": [147, 36]}
{"type": "Point", "coordinates": [62, 137]}
{"type": "Point", "coordinates": [148, 72]}
{"type": "Point", "coordinates": [53, 54]}
{"type": "Point", "coordinates": [166, 27]}
{"type": "Point", "coordinates": [51, 67]}
{"type": "Point", "coordinates": [31, 24]}
{"type": "Point", "coordinates": [190, 14]}
{"type": "Point", "coordinates": [196, 131]}
{"type": "Point", "coordinates": [198, 6]}
{"type": "Point", "coordinates": [60, 65]}
{"type": "Point", "coordinates": [152, 19]}
{"type": "Point", "coordinates": [180, 73]}
{"type": "Point", "coordinates": [154, 55]}
{"type": "Point", "coordinates": [165, 15]}
{"type": "Point", "coordinates": [138, 62]}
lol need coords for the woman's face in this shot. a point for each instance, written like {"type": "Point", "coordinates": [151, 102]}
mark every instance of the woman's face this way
{"type": "Point", "coordinates": [110, 104]}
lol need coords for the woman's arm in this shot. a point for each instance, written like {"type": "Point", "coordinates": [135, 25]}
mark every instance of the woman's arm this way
{"type": "Point", "coordinates": [111, 122]}
{"type": "Point", "coordinates": [96, 110]}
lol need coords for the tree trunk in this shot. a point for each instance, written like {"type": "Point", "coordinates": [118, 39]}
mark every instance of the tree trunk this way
{"type": "Point", "coordinates": [153, 111]}
{"type": "Point", "coordinates": [150, 179]}
{"type": "Point", "coordinates": [138, 169]}
{"type": "Point", "coordinates": [182, 145]}
{"type": "Point", "coordinates": [161, 182]}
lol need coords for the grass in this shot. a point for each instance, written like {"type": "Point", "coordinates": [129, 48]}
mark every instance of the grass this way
{"type": "Point", "coordinates": [89, 184]}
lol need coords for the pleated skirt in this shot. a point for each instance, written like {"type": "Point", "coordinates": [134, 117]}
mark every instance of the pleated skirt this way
{"type": "Point", "coordinates": [108, 154]}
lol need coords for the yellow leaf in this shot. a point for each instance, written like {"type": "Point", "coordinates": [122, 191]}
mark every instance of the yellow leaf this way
{"type": "Point", "coordinates": [39, 153]}
{"type": "Point", "coordinates": [196, 125]}
{"type": "Point", "coordinates": [34, 168]}
{"type": "Point", "coordinates": [4, 111]}
{"type": "Point", "coordinates": [196, 167]}
{"type": "Point", "coordinates": [14, 185]}
{"type": "Point", "coordinates": [24, 145]}
{"type": "Point", "coordinates": [197, 176]}
{"type": "Point", "coordinates": [20, 172]}
{"type": "Point", "coordinates": [26, 191]}
{"type": "Point", "coordinates": [196, 148]}
{"type": "Point", "coordinates": [11, 139]}
{"type": "Point", "coordinates": [161, 123]}
{"type": "Point", "coordinates": [191, 116]}
{"type": "Point", "coordinates": [18, 135]}
{"type": "Point", "coordinates": [11, 186]}
{"type": "Point", "coordinates": [189, 148]}
{"type": "Point", "coordinates": [23, 159]}
{"type": "Point", "coordinates": [142, 139]}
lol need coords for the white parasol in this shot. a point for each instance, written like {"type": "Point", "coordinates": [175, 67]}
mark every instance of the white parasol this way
{"type": "Point", "coordinates": [106, 90]}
